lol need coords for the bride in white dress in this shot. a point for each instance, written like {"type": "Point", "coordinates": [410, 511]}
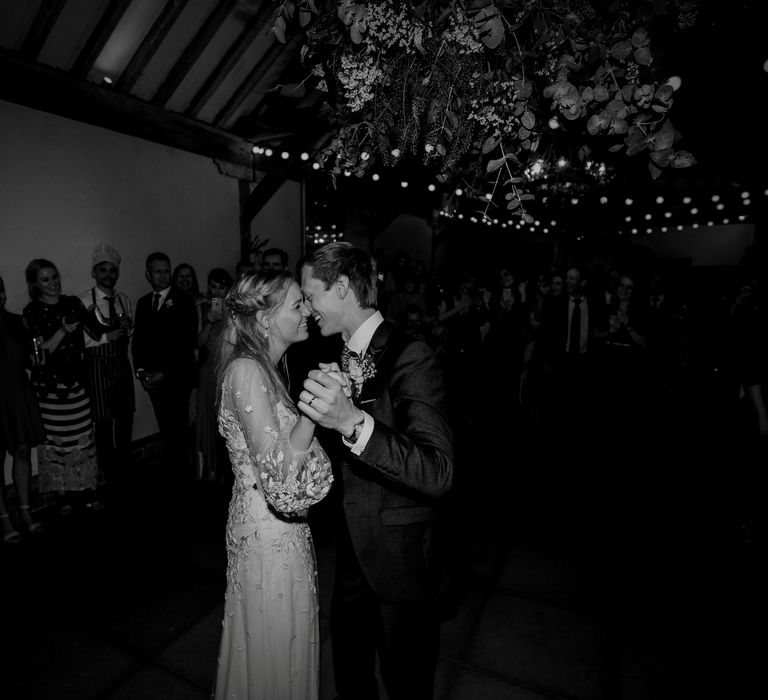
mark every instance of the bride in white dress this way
{"type": "Point", "coordinates": [270, 644]}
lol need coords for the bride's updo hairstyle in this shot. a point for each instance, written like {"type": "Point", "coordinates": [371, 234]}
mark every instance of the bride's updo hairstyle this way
{"type": "Point", "coordinates": [249, 307]}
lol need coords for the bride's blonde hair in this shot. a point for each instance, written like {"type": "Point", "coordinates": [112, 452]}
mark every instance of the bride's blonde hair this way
{"type": "Point", "coordinates": [251, 304]}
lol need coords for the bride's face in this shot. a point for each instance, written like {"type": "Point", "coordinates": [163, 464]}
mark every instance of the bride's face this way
{"type": "Point", "coordinates": [290, 323]}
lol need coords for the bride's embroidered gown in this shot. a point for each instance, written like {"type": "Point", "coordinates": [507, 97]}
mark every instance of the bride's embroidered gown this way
{"type": "Point", "coordinates": [270, 645]}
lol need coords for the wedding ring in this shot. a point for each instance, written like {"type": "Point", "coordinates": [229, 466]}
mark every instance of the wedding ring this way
{"type": "Point", "coordinates": [311, 400]}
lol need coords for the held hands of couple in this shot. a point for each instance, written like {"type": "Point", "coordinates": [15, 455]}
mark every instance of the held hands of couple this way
{"type": "Point", "coordinates": [327, 399]}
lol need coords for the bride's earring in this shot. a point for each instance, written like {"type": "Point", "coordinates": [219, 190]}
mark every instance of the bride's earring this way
{"type": "Point", "coordinates": [265, 331]}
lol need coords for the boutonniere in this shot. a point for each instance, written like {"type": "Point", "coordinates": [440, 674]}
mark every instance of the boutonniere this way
{"type": "Point", "coordinates": [358, 368]}
{"type": "Point", "coordinates": [168, 303]}
{"type": "Point", "coordinates": [362, 368]}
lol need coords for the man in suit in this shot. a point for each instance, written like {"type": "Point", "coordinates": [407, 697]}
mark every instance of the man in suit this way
{"type": "Point", "coordinates": [387, 409]}
{"type": "Point", "coordinates": [164, 340]}
{"type": "Point", "coordinates": [568, 323]}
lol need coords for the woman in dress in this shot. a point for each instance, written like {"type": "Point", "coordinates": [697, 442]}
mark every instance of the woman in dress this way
{"type": "Point", "coordinates": [212, 464]}
{"type": "Point", "coordinates": [67, 458]}
{"type": "Point", "coordinates": [184, 278]}
{"type": "Point", "coordinates": [270, 640]}
{"type": "Point", "coordinates": [20, 424]}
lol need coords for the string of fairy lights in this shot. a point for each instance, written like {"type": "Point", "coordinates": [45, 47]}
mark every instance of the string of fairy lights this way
{"type": "Point", "coordinates": [705, 211]}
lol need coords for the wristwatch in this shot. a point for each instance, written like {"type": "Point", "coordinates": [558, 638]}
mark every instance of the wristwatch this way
{"type": "Point", "coordinates": [357, 429]}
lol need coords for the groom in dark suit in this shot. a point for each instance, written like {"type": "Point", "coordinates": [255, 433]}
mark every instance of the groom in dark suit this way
{"type": "Point", "coordinates": [164, 341]}
{"type": "Point", "coordinates": [387, 405]}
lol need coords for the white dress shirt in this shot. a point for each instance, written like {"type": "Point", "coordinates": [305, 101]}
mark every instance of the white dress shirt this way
{"type": "Point", "coordinates": [122, 303]}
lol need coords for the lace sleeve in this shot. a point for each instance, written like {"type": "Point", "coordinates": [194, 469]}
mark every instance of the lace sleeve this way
{"type": "Point", "coordinates": [291, 481]}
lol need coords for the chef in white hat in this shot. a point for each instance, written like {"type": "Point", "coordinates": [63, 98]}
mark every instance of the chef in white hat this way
{"type": "Point", "coordinates": [109, 374]}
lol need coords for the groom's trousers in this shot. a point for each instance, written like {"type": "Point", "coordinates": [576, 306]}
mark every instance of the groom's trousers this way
{"type": "Point", "coordinates": [406, 636]}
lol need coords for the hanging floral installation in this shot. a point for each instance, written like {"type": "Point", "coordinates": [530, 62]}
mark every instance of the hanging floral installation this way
{"type": "Point", "coordinates": [474, 90]}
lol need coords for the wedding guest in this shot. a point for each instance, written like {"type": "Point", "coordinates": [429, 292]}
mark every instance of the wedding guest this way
{"type": "Point", "coordinates": [163, 346]}
{"type": "Point", "coordinates": [393, 276]}
{"type": "Point", "coordinates": [566, 338]}
{"type": "Point", "coordinates": [556, 283]}
{"type": "Point", "coordinates": [184, 279]}
{"type": "Point", "coordinates": [243, 267]}
{"type": "Point", "coordinates": [661, 333]}
{"type": "Point", "coordinates": [274, 259]}
{"type": "Point", "coordinates": [409, 295]}
{"type": "Point", "coordinates": [20, 425]}
{"type": "Point", "coordinates": [109, 376]}
{"type": "Point", "coordinates": [620, 368]}
{"type": "Point", "coordinates": [270, 641]}
{"type": "Point", "coordinates": [67, 459]}
{"type": "Point", "coordinates": [509, 316]}
{"type": "Point", "coordinates": [395, 462]}
{"type": "Point", "coordinates": [212, 463]}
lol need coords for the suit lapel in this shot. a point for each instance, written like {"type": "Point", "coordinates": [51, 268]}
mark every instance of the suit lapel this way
{"type": "Point", "coordinates": [373, 386]}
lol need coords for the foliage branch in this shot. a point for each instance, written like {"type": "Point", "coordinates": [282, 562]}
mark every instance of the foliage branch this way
{"type": "Point", "coordinates": [470, 87]}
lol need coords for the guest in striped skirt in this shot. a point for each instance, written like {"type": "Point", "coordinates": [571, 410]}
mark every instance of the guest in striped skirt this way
{"type": "Point", "coordinates": [108, 370]}
{"type": "Point", "coordinates": [67, 458]}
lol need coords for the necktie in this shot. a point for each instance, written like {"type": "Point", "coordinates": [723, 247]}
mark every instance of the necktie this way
{"type": "Point", "coordinates": [346, 356]}
{"type": "Point", "coordinates": [156, 301]}
{"type": "Point", "coordinates": [574, 343]}
{"type": "Point", "coordinates": [112, 309]}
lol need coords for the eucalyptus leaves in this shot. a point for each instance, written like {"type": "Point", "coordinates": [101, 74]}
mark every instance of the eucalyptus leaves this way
{"type": "Point", "coordinates": [471, 88]}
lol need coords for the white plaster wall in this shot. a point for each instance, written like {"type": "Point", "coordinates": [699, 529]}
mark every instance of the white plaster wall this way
{"type": "Point", "coordinates": [65, 186]}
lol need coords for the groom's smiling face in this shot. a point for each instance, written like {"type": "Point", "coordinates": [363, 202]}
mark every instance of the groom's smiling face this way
{"type": "Point", "coordinates": [324, 303]}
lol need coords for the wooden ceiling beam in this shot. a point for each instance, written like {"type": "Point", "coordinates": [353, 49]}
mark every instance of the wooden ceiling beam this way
{"type": "Point", "coordinates": [155, 36]}
{"type": "Point", "coordinates": [276, 173]}
{"type": "Point", "coordinates": [50, 90]}
{"type": "Point", "coordinates": [99, 37]}
{"type": "Point", "coordinates": [193, 51]}
{"type": "Point", "coordinates": [41, 28]}
{"type": "Point", "coordinates": [266, 187]}
{"type": "Point", "coordinates": [254, 78]}
{"type": "Point", "coordinates": [250, 31]}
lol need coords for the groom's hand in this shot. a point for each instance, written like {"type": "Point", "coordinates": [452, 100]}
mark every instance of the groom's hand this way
{"type": "Point", "coordinates": [323, 400]}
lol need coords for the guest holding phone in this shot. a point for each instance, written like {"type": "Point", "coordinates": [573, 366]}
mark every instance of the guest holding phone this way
{"type": "Point", "coordinates": [212, 460]}
{"type": "Point", "coordinates": [67, 458]}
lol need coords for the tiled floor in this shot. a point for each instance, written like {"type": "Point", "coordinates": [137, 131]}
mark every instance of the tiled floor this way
{"type": "Point", "coordinates": [640, 592]}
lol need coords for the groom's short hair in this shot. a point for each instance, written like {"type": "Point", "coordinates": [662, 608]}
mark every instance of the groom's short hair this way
{"type": "Point", "coordinates": [333, 260]}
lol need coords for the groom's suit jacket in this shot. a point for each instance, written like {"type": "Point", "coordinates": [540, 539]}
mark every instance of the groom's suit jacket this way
{"type": "Point", "coordinates": [391, 491]}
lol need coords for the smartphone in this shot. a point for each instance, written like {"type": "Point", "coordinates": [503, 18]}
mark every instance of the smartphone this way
{"type": "Point", "coordinates": [506, 295]}
{"type": "Point", "coordinates": [216, 305]}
